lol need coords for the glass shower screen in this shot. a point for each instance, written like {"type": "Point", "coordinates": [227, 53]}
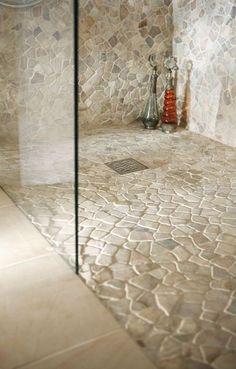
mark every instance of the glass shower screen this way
{"type": "Point", "coordinates": [37, 107]}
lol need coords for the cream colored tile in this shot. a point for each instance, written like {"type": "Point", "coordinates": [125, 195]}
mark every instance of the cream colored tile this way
{"type": "Point", "coordinates": [45, 308]}
{"type": "Point", "coordinates": [4, 199]}
{"type": "Point", "coordinates": [19, 239]}
{"type": "Point", "coordinates": [116, 351]}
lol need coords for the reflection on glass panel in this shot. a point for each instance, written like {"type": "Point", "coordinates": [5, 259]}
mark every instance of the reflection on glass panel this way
{"type": "Point", "coordinates": [36, 113]}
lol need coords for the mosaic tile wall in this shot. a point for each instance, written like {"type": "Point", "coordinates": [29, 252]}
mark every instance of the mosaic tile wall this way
{"type": "Point", "coordinates": [36, 90]}
{"type": "Point", "coordinates": [116, 38]}
{"type": "Point", "coordinates": [204, 32]}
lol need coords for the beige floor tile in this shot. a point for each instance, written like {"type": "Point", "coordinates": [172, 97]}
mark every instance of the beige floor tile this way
{"type": "Point", "coordinates": [45, 308]}
{"type": "Point", "coordinates": [4, 199]}
{"type": "Point", "coordinates": [116, 351]}
{"type": "Point", "coordinates": [19, 239]}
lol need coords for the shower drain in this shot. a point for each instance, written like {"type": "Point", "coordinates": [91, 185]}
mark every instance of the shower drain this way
{"type": "Point", "coordinates": [126, 166]}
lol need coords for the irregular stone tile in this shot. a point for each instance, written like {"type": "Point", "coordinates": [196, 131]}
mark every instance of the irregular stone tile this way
{"type": "Point", "coordinates": [133, 292]}
{"type": "Point", "coordinates": [232, 269]}
{"type": "Point", "coordinates": [115, 240]}
{"type": "Point", "coordinates": [172, 278]}
{"type": "Point", "coordinates": [137, 327]}
{"type": "Point", "coordinates": [232, 343]}
{"type": "Point", "coordinates": [187, 326]}
{"type": "Point", "coordinates": [223, 261]}
{"type": "Point", "coordinates": [212, 338]}
{"type": "Point", "coordinates": [145, 281]}
{"type": "Point", "coordinates": [122, 272]}
{"type": "Point", "coordinates": [103, 275]}
{"type": "Point", "coordinates": [219, 273]}
{"type": "Point", "coordinates": [170, 347]}
{"type": "Point", "coordinates": [150, 314]}
{"type": "Point", "coordinates": [225, 249]}
{"type": "Point", "coordinates": [108, 292]}
{"type": "Point", "coordinates": [188, 310]}
{"type": "Point", "coordinates": [120, 307]}
{"type": "Point", "coordinates": [109, 249]}
{"type": "Point", "coordinates": [104, 260]}
{"type": "Point", "coordinates": [123, 256]}
{"type": "Point", "coordinates": [200, 239]}
{"type": "Point", "coordinates": [169, 244]}
{"type": "Point", "coordinates": [137, 258]}
{"type": "Point", "coordinates": [187, 267]}
{"type": "Point", "coordinates": [158, 273]}
{"type": "Point", "coordinates": [148, 299]}
{"type": "Point", "coordinates": [192, 286]}
{"type": "Point", "coordinates": [166, 303]}
{"type": "Point", "coordinates": [225, 361]}
{"type": "Point", "coordinates": [232, 307]}
{"type": "Point", "coordinates": [140, 234]}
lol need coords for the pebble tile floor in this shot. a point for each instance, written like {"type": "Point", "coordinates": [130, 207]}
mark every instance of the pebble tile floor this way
{"type": "Point", "coordinates": [158, 246]}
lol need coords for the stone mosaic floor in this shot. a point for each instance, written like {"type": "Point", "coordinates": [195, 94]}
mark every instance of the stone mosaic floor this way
{"type": "Point", "coordinates": [158, 246]}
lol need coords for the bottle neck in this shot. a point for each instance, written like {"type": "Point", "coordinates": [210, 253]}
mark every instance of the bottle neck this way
{"type": "Point", "coordinates": [169, 81]}
{"type": "Point", "coordinates": [153, 82]}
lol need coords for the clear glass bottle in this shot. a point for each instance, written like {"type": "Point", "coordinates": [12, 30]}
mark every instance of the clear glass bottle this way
{"type": "Point", "coordinates": [150, 115]}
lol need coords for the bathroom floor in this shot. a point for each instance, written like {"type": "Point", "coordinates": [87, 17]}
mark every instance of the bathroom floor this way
{"type": "Point", "coordinates": [158, 246]}
{"type": "Point", "coordinates": [49, 318]}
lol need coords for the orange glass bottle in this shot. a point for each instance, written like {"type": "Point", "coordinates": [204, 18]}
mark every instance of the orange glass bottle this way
{"type": "Point", "coordinates": [169, 115]}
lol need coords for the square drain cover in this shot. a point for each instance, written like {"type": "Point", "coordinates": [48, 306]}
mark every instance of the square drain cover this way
{"type": "Point", "coordinates": [126, 166]}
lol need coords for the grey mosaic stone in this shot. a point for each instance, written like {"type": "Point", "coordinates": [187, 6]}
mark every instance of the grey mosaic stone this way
{"type": "Point", "coordinates": [149, 41]}
{"type": "Point", "coordinates": [57, 35]}
{"type": "Point", "coordinates": [37, 31]}
{"type": "Point", "coordinates": [232, 307]}
{"type": "Point", "coordinates": [169, 244]}
{"type": "Point", "coordinates": [154, 31]}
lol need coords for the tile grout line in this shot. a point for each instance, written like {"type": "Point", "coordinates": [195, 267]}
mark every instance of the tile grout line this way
{"type": "Point", "coordinates": [70, 348]}
{"type": "Point", "coordinates": [8, 197]}
{"type": "Point", "coordinates": [26, 215]}
{"type": "Point", "coordinates": [7, 206]}
{"type": "Point", "coordinates": [26, 260]}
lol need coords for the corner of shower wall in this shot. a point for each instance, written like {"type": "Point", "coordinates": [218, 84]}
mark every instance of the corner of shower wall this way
{"type": "Point", "coordinates": [116, 39]}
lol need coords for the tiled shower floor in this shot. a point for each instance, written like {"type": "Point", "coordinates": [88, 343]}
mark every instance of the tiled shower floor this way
{"type": "Point", "coordinates": [158, 246]}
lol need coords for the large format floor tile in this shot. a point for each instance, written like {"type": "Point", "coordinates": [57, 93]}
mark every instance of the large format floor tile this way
{"type": "Point", "coordinates": [4, 199]}
{"type": "Point", "coordinates": [44, 309]}
{"type": "Point", "coordinates": [19, 240]}
{"type": "Point", "coordinates": [114, 351]}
